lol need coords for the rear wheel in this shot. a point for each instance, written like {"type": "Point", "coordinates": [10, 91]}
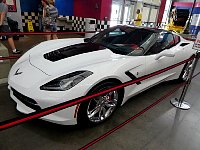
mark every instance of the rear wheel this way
{"type": "Point", "coordinates": [184, 76]}
{"type": "Point", "coordinates": [99, 109]}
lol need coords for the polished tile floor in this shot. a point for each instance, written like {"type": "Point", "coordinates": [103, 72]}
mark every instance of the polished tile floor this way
{"type": "Point", "coordinates": [161, 128]}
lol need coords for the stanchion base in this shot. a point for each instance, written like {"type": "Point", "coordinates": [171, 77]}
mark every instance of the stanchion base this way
{"type": "Point", "coordinates": [185, 105]}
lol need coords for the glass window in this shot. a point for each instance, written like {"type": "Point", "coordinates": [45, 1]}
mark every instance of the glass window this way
{"type": "Point", "coordinates": [124, 40]}
{"type": "Point", "coordinates": [176, 39]}
{"type": "Point", "coordinates": [116, 32]}
{"type": "Point", "coordinates": [164, 41]}
{"type": "Point", "coordinates": [169, 40]}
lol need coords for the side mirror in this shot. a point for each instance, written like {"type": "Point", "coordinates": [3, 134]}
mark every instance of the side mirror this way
{"type": "Point", "coordinates": [166, 53]}
{"type": "Point", "coordinates": [87, 40]}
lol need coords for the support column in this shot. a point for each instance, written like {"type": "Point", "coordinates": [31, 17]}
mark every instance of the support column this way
{"type": "Point", "coordinates": [161, 11]}
{"type": "Point", "coordinates": [105, 9]}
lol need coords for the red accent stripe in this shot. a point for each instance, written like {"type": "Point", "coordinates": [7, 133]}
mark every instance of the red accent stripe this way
{"type": "Point", "coordinates": [9, 57]}
{"type": "Point", "coordinates": [185, 4]}
{"type": "Point", "coordinates": [182, 4]}
{"type": "Point", "coordinates": [197, 4]}
{"type": "Point", "coordinates": [55, 108]}
{"type": "Point", "coordinates": [130, 119]}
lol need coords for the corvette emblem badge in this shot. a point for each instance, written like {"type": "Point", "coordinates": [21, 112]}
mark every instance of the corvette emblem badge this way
{"type": "Point", "coordinates": [17, 72]}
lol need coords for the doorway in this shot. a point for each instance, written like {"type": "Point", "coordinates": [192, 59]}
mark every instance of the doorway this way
{"type": "Point", "coordinates": [116, 14]}
{"type": "Point", "coordinates": [122, 12]}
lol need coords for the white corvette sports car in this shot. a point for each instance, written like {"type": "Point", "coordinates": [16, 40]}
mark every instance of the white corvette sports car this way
{"type": "Point", "coordinates": [60, 70]}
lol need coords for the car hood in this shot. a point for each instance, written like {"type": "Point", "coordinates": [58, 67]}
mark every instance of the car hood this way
{"type": "Point", "coordinates": [69, 58]}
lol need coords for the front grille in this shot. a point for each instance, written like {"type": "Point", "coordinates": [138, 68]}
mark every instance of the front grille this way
{"type": "Point", "coordinates": [26, 100]}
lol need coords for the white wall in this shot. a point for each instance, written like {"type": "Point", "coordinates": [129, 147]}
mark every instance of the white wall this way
{"type": "Point", "coordinates": [147, 7]}
{"type": "Point", "coordinates": [145, 13]}
{"type": "Point", "coordinates": [153, 15]}
{"type": "Point", "coordinates": [118, 1]}
{"type": "Point", "coordinates": [17, 15]}
{"type": "Point", "coordinates": [156, 2]}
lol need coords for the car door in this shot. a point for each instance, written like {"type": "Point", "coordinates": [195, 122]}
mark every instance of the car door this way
{"type": "Point", "coordinates": [157, 60]}
{"type": "Point", "coordinates": [180, 50]}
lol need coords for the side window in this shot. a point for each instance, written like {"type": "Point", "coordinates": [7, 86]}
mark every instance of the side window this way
{"type": "Point", "coordinates": [169, 40]}
{"type": "Point", "coordinates": [176, 39]}
{"type": "Point", "coordinates": [114, 36]}
{"type": "Point", "coordinates": [164, 41]}
{"type": "Point", "coordinates": [116, 32]}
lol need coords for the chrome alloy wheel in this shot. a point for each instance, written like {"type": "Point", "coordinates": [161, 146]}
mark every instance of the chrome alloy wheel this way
{"type": "Point", "coordinates": [187, 71]}
{"type": "Point", "coordinates": [102, 107]}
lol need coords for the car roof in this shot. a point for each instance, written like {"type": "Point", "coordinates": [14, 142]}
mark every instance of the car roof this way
{"type": "Point", "coordinates": [156, 30]}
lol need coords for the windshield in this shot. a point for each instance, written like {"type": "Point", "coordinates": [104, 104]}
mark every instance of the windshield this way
{"type": "Point", "coordinates": [125, 40]}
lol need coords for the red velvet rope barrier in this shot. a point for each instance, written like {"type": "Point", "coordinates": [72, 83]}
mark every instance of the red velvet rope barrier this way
{"type": "Point", "coordinates": [16, 121]}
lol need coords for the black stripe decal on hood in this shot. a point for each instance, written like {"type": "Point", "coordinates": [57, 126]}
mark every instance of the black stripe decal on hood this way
{"type": "Point", "coordinates": [72, 50]}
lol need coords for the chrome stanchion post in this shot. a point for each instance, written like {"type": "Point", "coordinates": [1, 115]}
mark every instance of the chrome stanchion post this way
{"type": "Point", "coordinates": [181, 103]}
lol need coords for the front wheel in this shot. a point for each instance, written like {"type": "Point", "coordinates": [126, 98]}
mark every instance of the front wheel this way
{"type": "Point", "coordinates": [99, 109]}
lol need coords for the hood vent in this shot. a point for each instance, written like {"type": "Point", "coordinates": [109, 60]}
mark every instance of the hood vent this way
{"type": "Point", "coordinates": [73, 50]}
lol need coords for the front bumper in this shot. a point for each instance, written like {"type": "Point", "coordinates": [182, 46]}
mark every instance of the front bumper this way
{"type": "Point", "coordinates": [63, 117]}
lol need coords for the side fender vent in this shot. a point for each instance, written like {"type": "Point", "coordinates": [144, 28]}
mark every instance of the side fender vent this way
{"type": "Point", "coordinates": [183, 44]}
{"type": "Point", "coordinates": [129, 74]}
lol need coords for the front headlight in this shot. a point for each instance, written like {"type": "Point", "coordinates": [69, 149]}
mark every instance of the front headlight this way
{"type": "Point", "coordinates": [66, 82]}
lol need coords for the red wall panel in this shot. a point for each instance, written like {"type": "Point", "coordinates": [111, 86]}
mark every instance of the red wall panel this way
{"type": "Point", "coordinates": [161, 11]}
{"type": "Point", "coordinates": [87, 8]}
{"type": "Point", "coordinates": [79, 8]}
{"type": "Point", "coordinates": [106, 9]}
{"type": "Point", "coordinates": [97, 9]}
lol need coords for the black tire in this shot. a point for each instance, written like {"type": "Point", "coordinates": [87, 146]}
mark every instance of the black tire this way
{"type": "Point", "coordinates": [85, 107]}
{"type": "Point", "coordinates": [185, 71]}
